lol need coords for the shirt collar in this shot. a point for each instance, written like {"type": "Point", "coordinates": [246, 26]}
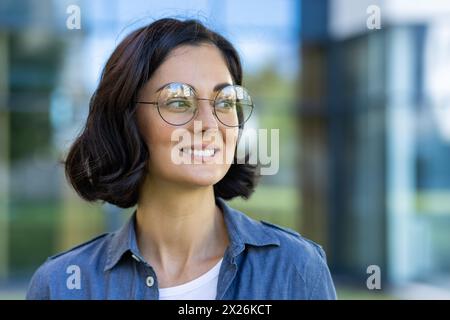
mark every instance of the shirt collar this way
{"type": "Point", "coordinates": [241, 230]}
{"type": "Point", "coordinates": [122, 241]}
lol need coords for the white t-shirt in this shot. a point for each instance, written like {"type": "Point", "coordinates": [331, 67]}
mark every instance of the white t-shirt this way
{"type": "Point", "coordinates": [202, 288]}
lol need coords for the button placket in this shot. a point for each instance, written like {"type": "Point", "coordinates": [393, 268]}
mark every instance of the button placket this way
{"type": "Point", "coordinates": [150, 279]}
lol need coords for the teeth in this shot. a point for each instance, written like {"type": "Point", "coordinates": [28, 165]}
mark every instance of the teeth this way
{"type": "Point", "coordinates": [200, 153]}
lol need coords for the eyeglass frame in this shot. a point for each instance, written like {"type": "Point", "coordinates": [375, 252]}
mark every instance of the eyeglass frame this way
{"type": "Point", "coordinates": [195, 113]}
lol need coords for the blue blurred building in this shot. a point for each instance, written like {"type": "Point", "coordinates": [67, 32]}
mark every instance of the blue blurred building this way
{"type": "Point", "coordinates": [375, 120]}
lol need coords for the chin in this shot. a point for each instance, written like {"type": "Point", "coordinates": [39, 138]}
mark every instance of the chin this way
{"type": "Point", "coordinates": [202, 175]}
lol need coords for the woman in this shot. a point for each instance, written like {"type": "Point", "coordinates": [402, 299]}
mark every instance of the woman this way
{"type": "Point", "coordinates": [175, 79]}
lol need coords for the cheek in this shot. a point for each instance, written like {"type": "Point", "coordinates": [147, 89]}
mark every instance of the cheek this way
{"type": "Point", "coordinates": [159, 145]}
{"type": "Point", "coordinates": [230, 138]}
{"type": "Point", "coordinates": [157, 135]}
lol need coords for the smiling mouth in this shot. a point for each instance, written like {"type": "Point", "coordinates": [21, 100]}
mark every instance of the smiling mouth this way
{"type": "Point", "coordinates": [203, 153]}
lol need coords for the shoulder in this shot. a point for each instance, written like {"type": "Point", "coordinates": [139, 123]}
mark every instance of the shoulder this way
{"type": "Point", "coordinates": [308, 259]}
{"type": "Point", "coordinates": [81, 254]}
{"type": "Point", "coordinates": [89, 254]}
{"type": "Point", "coordinates": [279, 241]}
{"type": "Point", "coordinates": [294, 244]}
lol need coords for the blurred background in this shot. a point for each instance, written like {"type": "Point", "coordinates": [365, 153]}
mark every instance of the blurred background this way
{"type": "Point", "coordinates": [363, 112]}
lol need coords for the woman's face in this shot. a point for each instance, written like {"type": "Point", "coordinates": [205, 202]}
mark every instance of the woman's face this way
{"type": "Point", "coordinates": [203, 68]}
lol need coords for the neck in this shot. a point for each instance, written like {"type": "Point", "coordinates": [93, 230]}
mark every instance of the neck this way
{"type": "Point", "coordinates": [177, 225]}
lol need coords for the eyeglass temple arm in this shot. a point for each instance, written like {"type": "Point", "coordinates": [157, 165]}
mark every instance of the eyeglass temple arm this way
{"type": "Point", "coordinates": [146, 102]}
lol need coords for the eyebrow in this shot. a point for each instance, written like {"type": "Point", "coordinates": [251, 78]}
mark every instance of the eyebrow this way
{"type": "Point", "coordinates": [217, 87]}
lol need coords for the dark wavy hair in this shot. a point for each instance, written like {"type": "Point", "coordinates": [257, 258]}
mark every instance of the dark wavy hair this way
{"type": "Point", "coordinates": [107, 161]}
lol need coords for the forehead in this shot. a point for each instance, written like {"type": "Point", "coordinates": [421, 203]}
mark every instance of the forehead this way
{"type": "Point", "coordinates": [202, 66]}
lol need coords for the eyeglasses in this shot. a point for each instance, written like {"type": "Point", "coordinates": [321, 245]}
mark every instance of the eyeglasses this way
{"type": "Point", "coordinates": [177, 104]}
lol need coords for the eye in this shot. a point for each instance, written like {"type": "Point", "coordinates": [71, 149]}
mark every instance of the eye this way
{"type": "Point", "coordinates": [179, 105]}
{"type": "Point", "coordinates": [226, 105]}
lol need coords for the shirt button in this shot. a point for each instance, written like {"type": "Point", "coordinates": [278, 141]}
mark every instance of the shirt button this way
{"type": "Point", "coordinates": [150, 281]}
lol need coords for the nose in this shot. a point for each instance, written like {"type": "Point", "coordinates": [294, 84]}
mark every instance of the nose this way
{"type": "Point", "coordinates": [206, 115]}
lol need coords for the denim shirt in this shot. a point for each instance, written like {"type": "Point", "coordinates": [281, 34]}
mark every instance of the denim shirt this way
{"type": "Point", "coordinates": [262, 261]}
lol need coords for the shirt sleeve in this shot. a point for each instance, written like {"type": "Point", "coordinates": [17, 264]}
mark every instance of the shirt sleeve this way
{"type": "Point", "coordinates": [38, 289]}
{"type": "Point", "coordinates": [323, 288]}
